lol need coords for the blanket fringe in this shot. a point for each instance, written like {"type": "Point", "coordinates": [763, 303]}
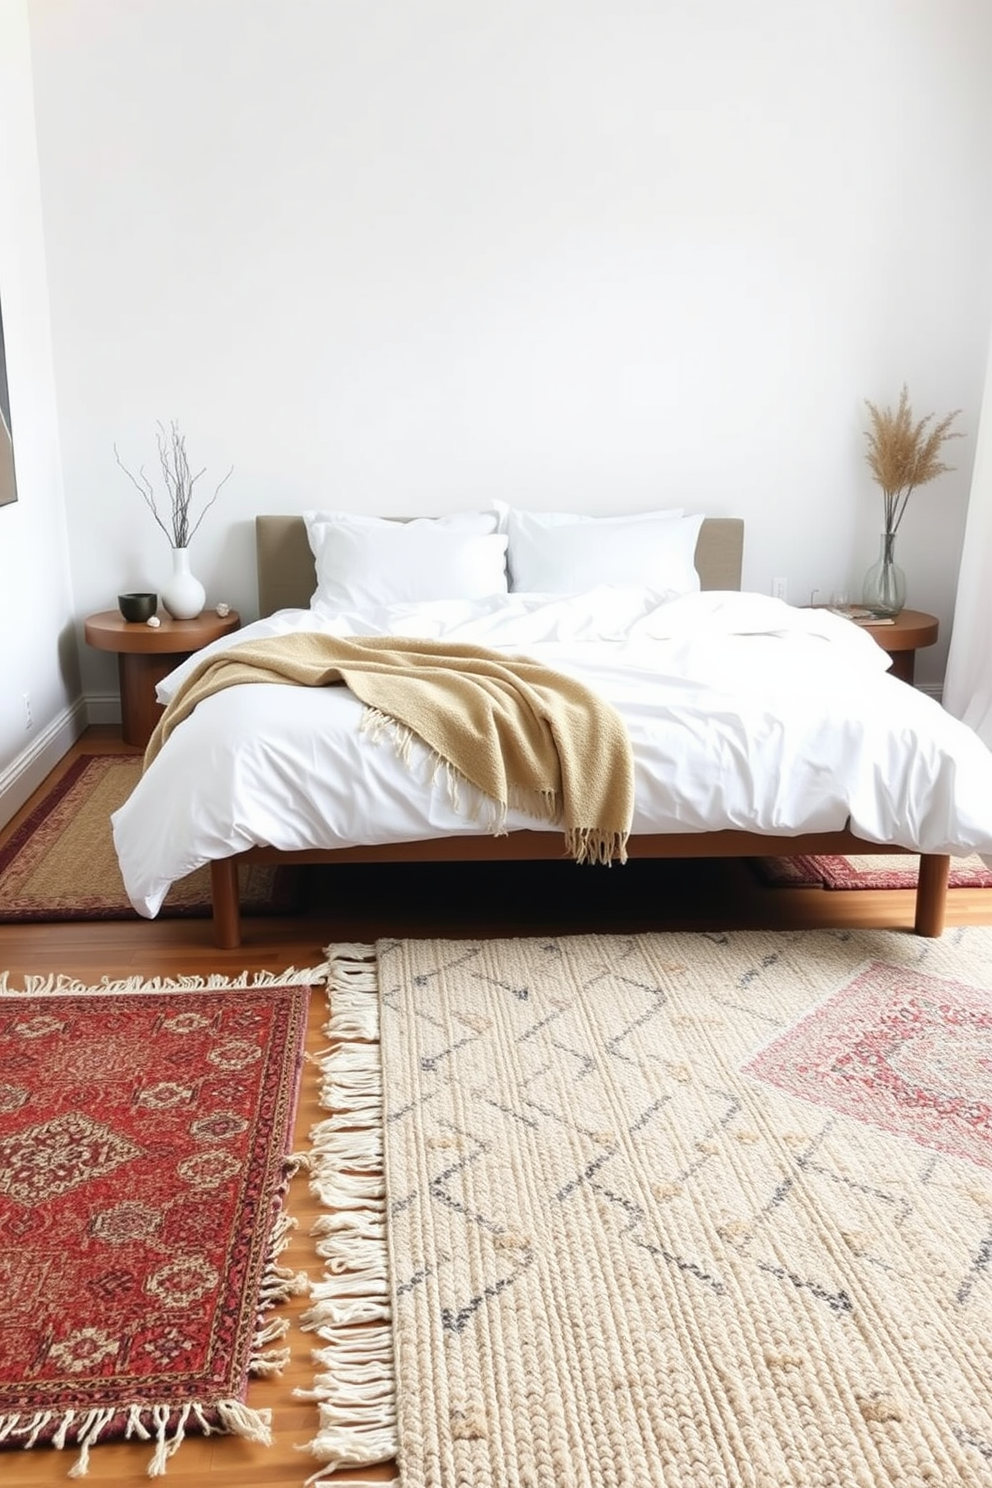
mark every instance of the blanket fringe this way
{"type": "Point", "coordinates": [60, 981]}
{"type": "Point", "coordinates": [593, 845]}
{"type": "Point", "coordinates": [584, 844]}
{"type": "Point", "coordinates": [485, 811]}
{"type": "Point", "coordinates": [355, 1389]}
{"type": "Point", "coordinates": [375, 723]}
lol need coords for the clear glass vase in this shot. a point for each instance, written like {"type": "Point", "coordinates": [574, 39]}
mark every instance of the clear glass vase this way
{"type": "Point", "coordinates": [884, 590]}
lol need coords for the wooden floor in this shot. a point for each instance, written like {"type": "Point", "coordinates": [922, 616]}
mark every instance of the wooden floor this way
{"type": "Point", "coordinates": [362, 904]}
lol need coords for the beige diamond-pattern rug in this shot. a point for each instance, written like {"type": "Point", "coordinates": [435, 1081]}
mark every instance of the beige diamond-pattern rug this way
{"type": "Point", "coordinates": [670, 1210]}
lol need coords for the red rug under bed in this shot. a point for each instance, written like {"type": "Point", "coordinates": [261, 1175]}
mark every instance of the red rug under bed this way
{"type": "Point", "coordinates": [871, 871]}
{"type": "Point", "coordinates": [60, 863]}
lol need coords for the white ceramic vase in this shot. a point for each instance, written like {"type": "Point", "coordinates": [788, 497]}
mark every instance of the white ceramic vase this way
{"type": "Point", "coordinates": [182, 594]}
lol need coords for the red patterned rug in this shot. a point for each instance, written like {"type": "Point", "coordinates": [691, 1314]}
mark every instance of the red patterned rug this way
{"type": "Point", "coordinates": [903, 1051]}
{"type": "Point", "coordinates": [144, 1140]}
{"type": "Point", "coordinates": [60, 864]}
{"type": "Point", "coordinates": [867, 871]}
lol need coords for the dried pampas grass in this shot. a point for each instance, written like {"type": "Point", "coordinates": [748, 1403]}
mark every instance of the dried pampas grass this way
{"type": "Point", "coordinates": [904, 452]}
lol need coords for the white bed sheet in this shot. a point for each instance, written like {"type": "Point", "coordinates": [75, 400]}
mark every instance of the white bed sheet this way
{"type": "Point", "coordinates": [742, 712]}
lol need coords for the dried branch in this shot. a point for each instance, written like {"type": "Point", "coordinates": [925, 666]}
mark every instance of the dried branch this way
{"type": "Point", "coordinates": [179, 484]}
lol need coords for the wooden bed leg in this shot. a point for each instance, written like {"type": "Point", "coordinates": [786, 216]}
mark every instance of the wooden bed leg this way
{"type": "Point", "coordinates": [226, 905]}
{"type": "Point", "coordinates": [931, 894]}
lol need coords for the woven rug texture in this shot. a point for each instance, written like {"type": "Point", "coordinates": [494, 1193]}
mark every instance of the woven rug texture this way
{"type": "Point", "coordinates": [865, 871]}
{"type": "Point", "coordinates": [144, 1140]}
{"type": "Point", "coordinates": [60, 863]}
{"type": "Point", "coordinates": [700, 1209]}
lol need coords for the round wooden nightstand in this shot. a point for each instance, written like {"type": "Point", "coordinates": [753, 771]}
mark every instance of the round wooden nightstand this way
{"type": "Point", "coordinates": [146, 654]}
{"type": "Point", "coordinates": [908, 632]}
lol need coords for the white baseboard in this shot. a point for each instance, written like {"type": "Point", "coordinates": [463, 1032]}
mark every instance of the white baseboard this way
{"type": "Point", "coordinates": [22, 776]}
{"type": "Point", "coordinates": [103, 707]}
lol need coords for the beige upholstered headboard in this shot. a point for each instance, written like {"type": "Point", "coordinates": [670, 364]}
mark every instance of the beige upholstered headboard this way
{"type": "Point", "coordinates": [286, 577]}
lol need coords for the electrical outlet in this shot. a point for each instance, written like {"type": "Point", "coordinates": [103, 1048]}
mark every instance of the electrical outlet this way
{"type": "Point", "coordinates": [28, 715]}
{"type": "Point", "coordinates": [780, 589]}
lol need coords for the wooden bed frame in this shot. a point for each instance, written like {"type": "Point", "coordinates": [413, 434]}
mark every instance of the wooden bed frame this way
{"type": "Point", "coordinates": [286, 580]}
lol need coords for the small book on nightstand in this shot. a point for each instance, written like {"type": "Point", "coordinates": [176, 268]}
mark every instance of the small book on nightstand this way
{"type": "Point", "coordinates": [860, 616]}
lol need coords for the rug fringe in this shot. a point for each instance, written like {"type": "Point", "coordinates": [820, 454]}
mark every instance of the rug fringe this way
{"type": "Point", "coordinates": [336, 1482]}
{"type": "Point", "coordinates": [60, 981]}
{"type": "Point", "coordinates": [356, 1388]}
{"type": "Point", "coordinates": [278, 1284]}
{"type": "Point", "coordinates": [83, 1429]}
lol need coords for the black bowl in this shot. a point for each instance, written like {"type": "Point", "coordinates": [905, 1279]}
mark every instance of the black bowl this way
{"type": "Point", "coordinates": [137, 606]}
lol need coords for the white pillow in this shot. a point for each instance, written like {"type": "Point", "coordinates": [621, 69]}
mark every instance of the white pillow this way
{"type": "Point", "coordinates": [364, 561]}
{"type": "Point", "coordinates": [564, 519]}
{"type": "Point", "coordinates": [653, 551]}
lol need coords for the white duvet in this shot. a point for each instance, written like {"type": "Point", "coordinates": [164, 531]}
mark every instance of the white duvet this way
{"type": "Point", "coordinates": [742, 712]}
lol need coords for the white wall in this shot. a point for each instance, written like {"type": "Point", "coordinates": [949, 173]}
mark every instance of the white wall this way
{"type": "Point", "coordinates": [37, 615]}
{"type": "Point", "coordinates": [407, 255]}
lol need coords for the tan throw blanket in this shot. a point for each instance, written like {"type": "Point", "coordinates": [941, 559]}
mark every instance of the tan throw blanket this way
{"type": "Point", "coordinates": [524, 735]}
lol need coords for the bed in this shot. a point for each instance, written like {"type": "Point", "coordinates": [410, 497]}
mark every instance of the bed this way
{"type": "Point", "coordinates": [757, 729]}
